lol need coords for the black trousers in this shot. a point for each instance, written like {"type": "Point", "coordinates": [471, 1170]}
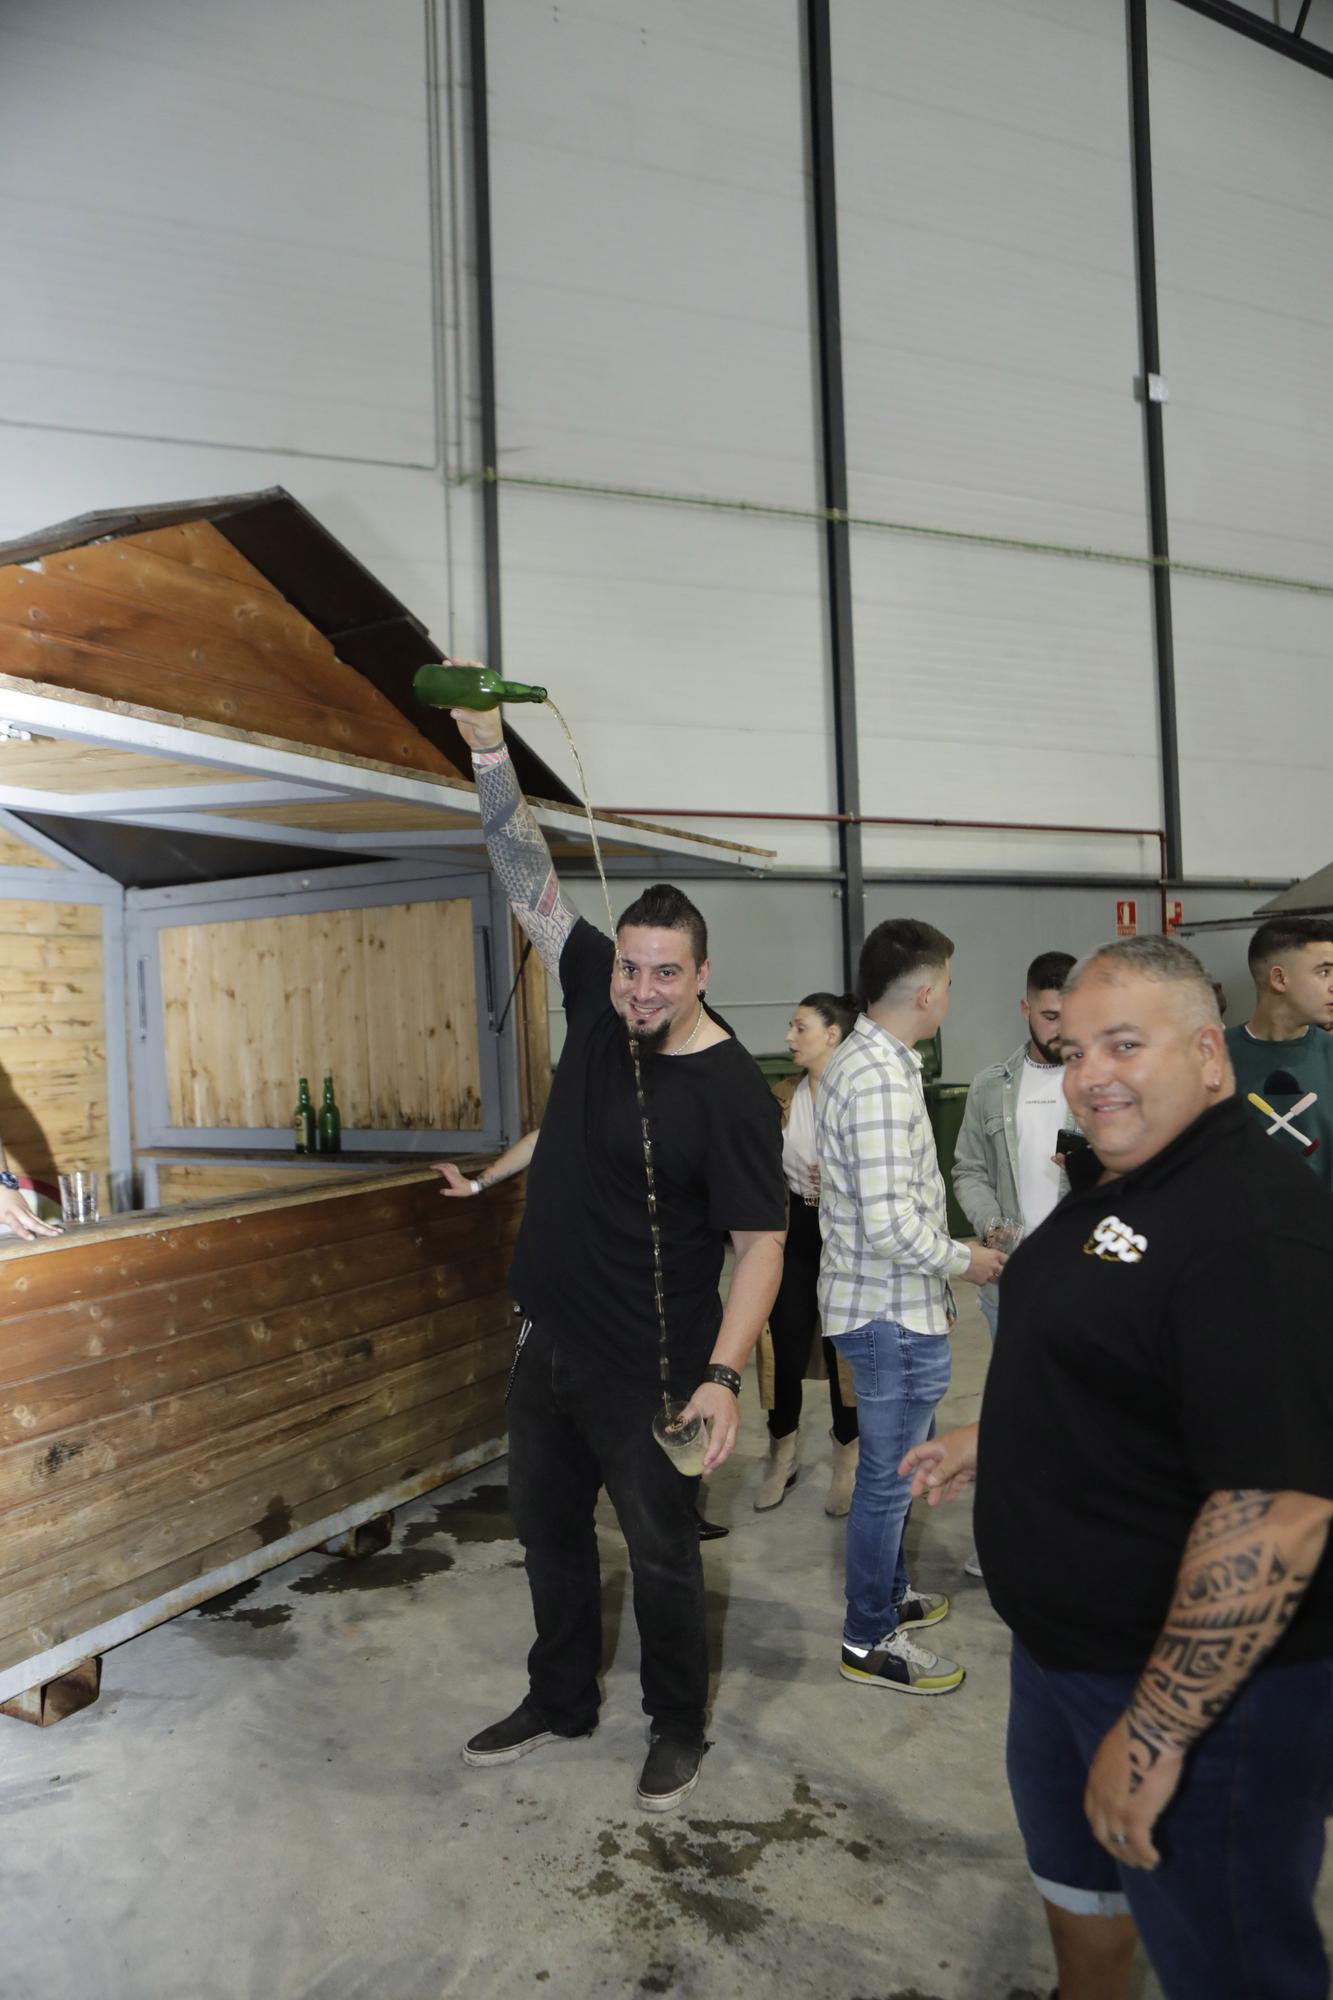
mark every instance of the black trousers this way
{"type": "Point", "coordinates": [792, 1325]}
{"type": "Point", "coordinates": [573, 1430]}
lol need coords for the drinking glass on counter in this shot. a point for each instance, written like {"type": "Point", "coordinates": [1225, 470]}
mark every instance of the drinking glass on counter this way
{"type": "Point", "coordinates": [78, 1195]}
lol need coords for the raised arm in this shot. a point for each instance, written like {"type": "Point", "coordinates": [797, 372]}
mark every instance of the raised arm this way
{"type": "Point", "coordinates": [1247, 1565]}
{"type": "Point", "coordinates": [514, 841]}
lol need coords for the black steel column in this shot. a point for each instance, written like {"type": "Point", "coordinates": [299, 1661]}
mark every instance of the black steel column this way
{"type": "Point", "coordinates": [1151, 362]}
{"type": "Point", "coordinates": [481, 250]}
{"type": "Point", "coordinates": [837, 534]}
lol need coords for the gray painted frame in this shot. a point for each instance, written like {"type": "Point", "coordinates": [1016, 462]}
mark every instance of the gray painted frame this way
{"type": "Point", "coordinates": [149, 912]}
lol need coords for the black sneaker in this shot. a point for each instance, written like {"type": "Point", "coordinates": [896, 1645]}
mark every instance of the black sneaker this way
{"type": "Point", "coordinates": [670, 1772]}
{"type": "Point", "coordinates": [505, 1742]}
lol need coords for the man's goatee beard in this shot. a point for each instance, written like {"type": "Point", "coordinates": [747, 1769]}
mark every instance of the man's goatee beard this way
{"type": "Point", "coordinates": [649, 1040]}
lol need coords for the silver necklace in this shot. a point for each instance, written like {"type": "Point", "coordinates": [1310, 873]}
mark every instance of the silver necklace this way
{"type": "Point", "coordinates": [690, 1037]}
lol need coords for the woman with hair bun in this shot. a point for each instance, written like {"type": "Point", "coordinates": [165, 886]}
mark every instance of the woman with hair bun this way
{"type": "Point", "coordinates": [817, 1026]}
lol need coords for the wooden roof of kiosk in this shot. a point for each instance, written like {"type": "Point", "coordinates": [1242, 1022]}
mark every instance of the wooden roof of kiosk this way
{"type": "Point", "coordinates": [226, 667]}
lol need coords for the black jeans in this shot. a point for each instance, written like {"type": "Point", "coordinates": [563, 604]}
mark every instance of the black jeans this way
{"type": "Point", "coordinates": [792, 1325]}
{"type": "Point", "coordinates": [572, 1430]}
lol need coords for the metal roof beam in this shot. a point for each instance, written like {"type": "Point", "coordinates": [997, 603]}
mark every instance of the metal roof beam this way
{"type": "Point", "coordinates": [1284, 41]}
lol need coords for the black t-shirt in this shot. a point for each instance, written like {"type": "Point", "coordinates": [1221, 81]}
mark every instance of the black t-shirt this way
{"type": "Point", "coordinates": [1162, 1337]}
{"type": "Point", "coordinates": [584, 1261]}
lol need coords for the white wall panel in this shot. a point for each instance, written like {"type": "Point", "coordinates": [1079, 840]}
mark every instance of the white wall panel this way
{"type": "Point", "coordinates": [651, 273]}
{"type": "Point", "coordinates": [1243, 177]}
{"type": "Point", "coordinates": [652, 302]}
{"type": "Point", "coordinates": [988, 293]}
{"type": "Point", "coordinates": [1003, 687]}
{"type": "Point", "coordinates": [687, 652]}
{"type": "Point", "coordinates": [1254, 675]}
{"type": "Point", "coordinates": [214, 223]}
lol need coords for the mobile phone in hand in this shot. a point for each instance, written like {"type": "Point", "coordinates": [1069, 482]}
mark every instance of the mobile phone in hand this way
{"type": "Point", "coordinates": [1069, 1140]}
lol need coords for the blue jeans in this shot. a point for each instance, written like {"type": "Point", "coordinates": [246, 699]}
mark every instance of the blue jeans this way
{"type": "Point", "coordinates": [1228, 1913]}
{"type": "Point", "coordinates": [990, 1312]}
{"type": "Point", "coordinates": [900, 1376]}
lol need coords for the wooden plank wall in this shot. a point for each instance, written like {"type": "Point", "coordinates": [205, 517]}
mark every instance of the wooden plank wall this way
{"type": "Point", "coordinates": [176, 620]}
{"type": "Point", "coordinates": [53, 1094]}
{"type": "Point", "coordinates": [386, 997]}
{"type": "Point", "coordinates": [181, 1181]}
{"type": "Point", "coordinates": [174, 1398]}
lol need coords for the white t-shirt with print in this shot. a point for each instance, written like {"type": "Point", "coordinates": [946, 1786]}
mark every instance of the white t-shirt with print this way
{"type": "Point", "coordinates": [1041, 1112]}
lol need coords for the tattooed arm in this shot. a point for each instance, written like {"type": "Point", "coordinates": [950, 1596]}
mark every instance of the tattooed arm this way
{"type": "Point", "coordinates": [1247, 1565]}
{"type": "Point", "coordinates": [514, 841]}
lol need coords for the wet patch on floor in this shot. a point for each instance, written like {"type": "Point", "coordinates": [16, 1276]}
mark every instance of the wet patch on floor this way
{"type": "Point", "coordinates": [705, 1870]}
{"type": "Point", "coordinates": [480, 1516]}
{"type": "Point", "coordinates": [392, 1569]}
{"type": "Point", "coordinates": [259, 1618]}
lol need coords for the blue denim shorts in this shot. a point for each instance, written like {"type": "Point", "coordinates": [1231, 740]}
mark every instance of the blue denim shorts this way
{"type": "Point", "coordinates": [1229, 1911]}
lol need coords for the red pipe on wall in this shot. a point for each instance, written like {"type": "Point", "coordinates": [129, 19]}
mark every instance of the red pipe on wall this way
{"type": "Point", "coordinates": [1156, 833]}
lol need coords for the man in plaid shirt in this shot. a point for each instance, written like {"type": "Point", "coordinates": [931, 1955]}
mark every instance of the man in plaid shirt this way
{"type": "Point", "coordinates": [884, 1292]}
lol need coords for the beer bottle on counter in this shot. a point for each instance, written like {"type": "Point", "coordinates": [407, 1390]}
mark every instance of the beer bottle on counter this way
{"type": "Point", "coordinates": [303, 1119]}
{"type": "Point", "coordinates": [446, 684]}
{"type": "Point", "coordinates": [330, 1120]}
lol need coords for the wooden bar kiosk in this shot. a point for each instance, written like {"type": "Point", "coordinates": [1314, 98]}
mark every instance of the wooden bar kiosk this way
{"type": "Point", "coordinates": [234, 852]}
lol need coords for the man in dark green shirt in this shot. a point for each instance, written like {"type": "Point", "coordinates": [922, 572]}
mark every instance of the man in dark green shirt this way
{"type": "Point", "coordinates": [1283, 1056]}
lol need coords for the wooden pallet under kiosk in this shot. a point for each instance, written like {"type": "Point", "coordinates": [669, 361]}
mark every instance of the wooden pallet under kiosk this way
{"type": "Point", "coordinates": [193, 1398]}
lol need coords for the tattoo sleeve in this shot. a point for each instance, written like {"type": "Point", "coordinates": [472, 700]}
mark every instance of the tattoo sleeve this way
{"type": "Point", "coordinates": [522, 860]}
{"type": "Point", "coordinates": [1246, 1567]}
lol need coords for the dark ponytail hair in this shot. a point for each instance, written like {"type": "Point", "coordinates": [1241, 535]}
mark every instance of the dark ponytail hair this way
{"type": "Point", "coordinates": [835, 1010]}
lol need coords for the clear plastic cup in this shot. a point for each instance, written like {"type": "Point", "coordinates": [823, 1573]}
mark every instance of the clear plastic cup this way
{"type": "Point", "coordinates": [684, 1444]}
{"type": "Point", "coordinates": [78, 1195]}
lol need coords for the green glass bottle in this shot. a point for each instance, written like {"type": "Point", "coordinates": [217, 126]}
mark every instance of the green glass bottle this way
{"type": "Point", "coordinates": [330, 1120]}
{"type": "Point", "coordinates": [441, 684]}
{"type": "Point", "coordinates": [303, 1119]}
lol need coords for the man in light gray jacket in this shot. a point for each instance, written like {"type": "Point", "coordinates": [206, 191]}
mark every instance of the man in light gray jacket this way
{"type": "Point", "coordinates": [1003, 1163]}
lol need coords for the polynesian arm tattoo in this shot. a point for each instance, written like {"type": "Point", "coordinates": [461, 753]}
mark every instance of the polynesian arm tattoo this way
{"type": "Point", "coordinates": [1247, 1564]}
{"type": "Point", "coordinates": [520, 857]}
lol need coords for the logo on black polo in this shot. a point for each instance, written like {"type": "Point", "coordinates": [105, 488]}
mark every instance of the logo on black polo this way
{"type": "Point", "coordinates": [1115, 1242]}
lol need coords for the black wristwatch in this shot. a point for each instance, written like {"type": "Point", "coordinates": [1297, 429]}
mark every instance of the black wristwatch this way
{"type": "Point", "coordinates": [8, 1180]}
{"type": "Point", "coordinates": [727, 1378]}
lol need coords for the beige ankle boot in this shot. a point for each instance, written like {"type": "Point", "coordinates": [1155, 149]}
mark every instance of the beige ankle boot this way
{"type": "Point", "coordinates": [784, 1456]}
{"type": "Point", "coordinates": [845, 1460]}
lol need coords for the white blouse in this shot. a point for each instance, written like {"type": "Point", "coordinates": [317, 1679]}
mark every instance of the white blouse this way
{"type": "Point", "coordinates": [800, 1163]}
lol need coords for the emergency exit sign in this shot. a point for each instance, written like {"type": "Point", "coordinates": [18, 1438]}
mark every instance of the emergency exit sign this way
{"type": "Point", "coordinates": [1126, 918]}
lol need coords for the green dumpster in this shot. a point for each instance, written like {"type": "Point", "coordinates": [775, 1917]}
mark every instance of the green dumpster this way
{"type": "Point", "coordinates": [945, 1103]}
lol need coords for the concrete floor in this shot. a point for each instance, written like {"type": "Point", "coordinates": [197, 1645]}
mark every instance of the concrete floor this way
{"type": "Point", "coordinates": [267, 1803]}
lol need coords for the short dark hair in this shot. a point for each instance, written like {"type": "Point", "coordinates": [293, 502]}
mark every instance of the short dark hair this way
{"type": "Point", "coordinates": [896, 949]}
{"type": "Point", "coordinates": [1283, 934]}
{"type": "Point", "coordinates": [663, 907]}
{"type": "Point", "coordinates": [1049, 971]}
{"type": "Point", "coordinates": [835, 1010]}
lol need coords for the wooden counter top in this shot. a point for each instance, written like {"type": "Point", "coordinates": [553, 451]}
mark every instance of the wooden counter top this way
{"type": "Point", "coordinates": [223, 1208]}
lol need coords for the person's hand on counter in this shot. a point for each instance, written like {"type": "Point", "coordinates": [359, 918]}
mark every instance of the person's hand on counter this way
{"type": "Point", "coordinates": [513, 1160]}
{"type": "Point", "coordinates": [15, 1215]}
